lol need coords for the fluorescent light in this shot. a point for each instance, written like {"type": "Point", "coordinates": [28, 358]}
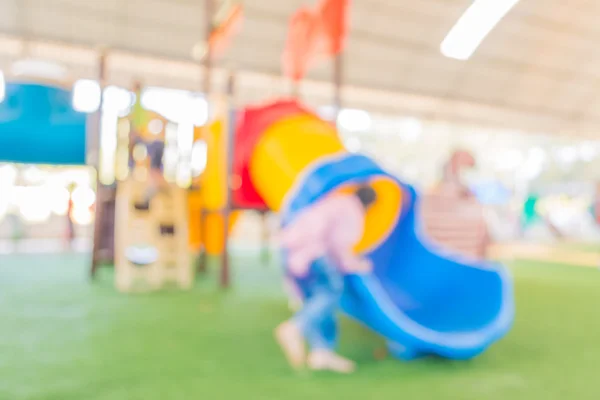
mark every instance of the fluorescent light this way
{"type": "Point", "coordinates": [118, 99]}
{"type": "Point", "coordinates": [587, 151]}
{"type": "Point", "coordinates": [354, 120]}
{"type": "Point", "coordinates": [473, 26]}
{"type": "Point", "coordinates": [176, 105]}
{"type": "Point", "coordinates": [86, 96]}
{"type": "Point", "coordinates": [567, 155]}
{"type": "Point", "coordinates": [33, 68]}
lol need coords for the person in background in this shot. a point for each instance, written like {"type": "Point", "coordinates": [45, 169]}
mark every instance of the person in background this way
{"type": "Point", "coordinates": [530, 216]}
{"type": "Point", "coordinates": [70, 233]}
{"type": "Point", "coordinates": [459, 161]}
{"type": "Point", "coordinates": [451, 215]}
{"type": "Point", "coordinates": [156, 179]}
{"type": "Point", "coordinates": [319, 245]}
{"type": "Point", "coordinates": [17, 229]}
{"type": "Point", "coordinates": [147, 131]}
{"type": "Point", "coordinates": [595, 207]}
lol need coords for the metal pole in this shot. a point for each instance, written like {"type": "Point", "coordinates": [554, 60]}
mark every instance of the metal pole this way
{"type": "Point", "coordinates": [209, 11]}
{"type": "Point", "coordinates": [296, 89]}
{"type": "Point", "coordinates": [265, 237]}
{"type": "Point", "coordinates": [94, 160]}
{"type": "Point", "coordinates": [338, 77]}
{"type": "Point", "coordinates": [229, 143]}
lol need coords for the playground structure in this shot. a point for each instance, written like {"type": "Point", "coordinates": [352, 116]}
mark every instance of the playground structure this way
{"type": "Point", "coordinates": [162, 227]}
{"type": "Point", "coordinates": [420, 299]}
{"type": "Point", "coordinates": [205, 202]}
{"type": "Point", "coordinates": [155, 225]}
{"type": "Point", "coordinates": [207, 195]}
{"type": "Point", "coordinates": [282, 157]}
{"type": "Point", "coordinates": [60, 131]}
{"type": "Point", "coordinates": [189, 227]}
{"type": "Point", "coordinates": [315, 34]}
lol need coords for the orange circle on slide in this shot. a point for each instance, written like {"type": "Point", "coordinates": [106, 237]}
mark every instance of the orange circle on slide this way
{"type": "Point", "coordinates": [382, 215]}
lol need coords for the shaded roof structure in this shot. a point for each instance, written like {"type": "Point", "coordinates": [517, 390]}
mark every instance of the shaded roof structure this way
{"type": "Point", "coordinates": [538, 69]}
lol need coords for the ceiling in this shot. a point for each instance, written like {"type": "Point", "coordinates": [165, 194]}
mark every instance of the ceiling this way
{"type": "Point", "coordinates": [540, 61]}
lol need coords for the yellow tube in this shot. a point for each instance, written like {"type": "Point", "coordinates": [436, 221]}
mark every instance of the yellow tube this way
{"type": "Point", "coordinates": [285, 149]}
{"type": "Point", "coordinates": [291, 145]}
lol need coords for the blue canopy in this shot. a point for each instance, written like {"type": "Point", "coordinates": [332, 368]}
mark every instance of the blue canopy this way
{"type": "Point", "coordinates": [38, 125]}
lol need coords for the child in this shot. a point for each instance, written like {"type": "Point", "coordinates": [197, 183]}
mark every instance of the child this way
{"type": "Point", "coordinates": [326, 233]}
{"type": "Point", "coordinates": [156, 181]}
{"type": "Point", "coordinates": [70, 225]}
{"type": "Point", "coordinates": [451, 216]}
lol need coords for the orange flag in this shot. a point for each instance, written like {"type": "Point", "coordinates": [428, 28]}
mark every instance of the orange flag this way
{"type": "Point", "coordinates": [301, 43]}
{"type": "Point", "coordinates": [334, 25]}
{"type": "Point", "coordinates": [314, 33]}
{"type": "Point", "coordinates": [221, 37]}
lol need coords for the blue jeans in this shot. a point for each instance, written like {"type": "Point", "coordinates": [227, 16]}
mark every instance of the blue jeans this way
{"type": "Point", "coordinates": [322, 293]}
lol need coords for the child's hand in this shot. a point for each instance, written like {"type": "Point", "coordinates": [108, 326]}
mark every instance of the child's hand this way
{"type": "Point", "coordinates": [358, 265]}
{"type": "Point", "coordinates": [364, 266]}
{"type": "Point", "coordinates": [298, 264]}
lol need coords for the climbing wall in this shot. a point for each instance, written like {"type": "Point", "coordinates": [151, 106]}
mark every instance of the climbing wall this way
{"type": "Point", "coordinates": [157, 231]}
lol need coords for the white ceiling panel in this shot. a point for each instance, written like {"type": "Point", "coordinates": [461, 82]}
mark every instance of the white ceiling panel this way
{"type": "Point", "coordinates": [542, 59]}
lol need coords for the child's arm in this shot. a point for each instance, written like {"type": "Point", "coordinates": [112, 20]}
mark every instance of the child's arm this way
{"type": "Point", "coordinates": [299, 262]}
{"type": "Point", "coordinates": [304, 242]}
{"type": "Point", "coordinates": [352, 263]}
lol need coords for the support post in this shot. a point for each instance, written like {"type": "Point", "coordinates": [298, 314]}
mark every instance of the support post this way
{"type": "Point", "coordinates": [94, 160]}
{"type": "Point", "coordinates": [265, 237]}
{"type": "Point", "coordinates": [296, 89]}
{"type": "Point", "coordinates": [209, 11]}
{"type": "Point", "coordinates": [229, 143]}
{"type": "Point", "coordinates": [338, 79]}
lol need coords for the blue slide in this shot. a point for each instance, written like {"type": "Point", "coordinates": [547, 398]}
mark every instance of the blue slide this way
{"type": "Point", "coordinates": [424, 302]}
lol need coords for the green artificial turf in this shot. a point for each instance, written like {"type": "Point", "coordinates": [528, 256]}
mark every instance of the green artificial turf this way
{"type": "Point", "coordinates": [63, 338]}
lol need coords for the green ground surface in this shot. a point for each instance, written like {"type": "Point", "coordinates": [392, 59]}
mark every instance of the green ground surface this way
{"type": "Point", "coordinates": [589, 247]}
{"type": "Point", "coordinates": [62, 338]}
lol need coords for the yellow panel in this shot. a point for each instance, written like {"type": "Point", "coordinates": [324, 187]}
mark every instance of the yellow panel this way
{"type": "Point", "coordinates": [194, 212]}
{"type": "Point", "coordinates": [211, 194]}
{"type": "Point", "coordinates": [213, 178]}
{"type": "Point", "coordinates": [215, 235]}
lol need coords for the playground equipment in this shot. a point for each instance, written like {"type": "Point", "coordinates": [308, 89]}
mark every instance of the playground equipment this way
{"type": "Point", "coordinates": [212, 213]}
{"type": "Point", "coordinates": [421, 300]}
{"type": "Point", "coordinates": [39, 125]}
{"type": "Point", "coordinates": [159, 230]}
{"type": "Point", "coordinates": [151, 228]}
{"type": "Point", "coordinates": [328, 26]}
{"type": "Point", "coordinates": [209, 198]}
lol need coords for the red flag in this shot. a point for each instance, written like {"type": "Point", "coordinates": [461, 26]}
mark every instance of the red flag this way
{"type": "Point", "coordinates": [315, 33]}
{"type": "Point", "coordinates": [334, 25]}
{"type": "Point", "coordinates": [301, 43]}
